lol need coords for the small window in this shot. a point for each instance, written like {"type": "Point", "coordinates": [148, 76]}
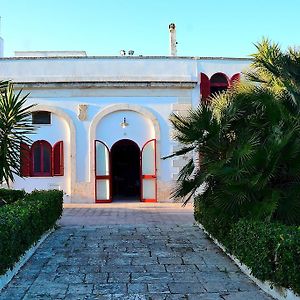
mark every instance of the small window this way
{"type": "Point", "coordinates": [41, 117]}
{"type": "Point", "coordinates": [218, 83]}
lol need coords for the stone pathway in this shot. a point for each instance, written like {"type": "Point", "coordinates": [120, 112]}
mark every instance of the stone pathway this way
{"type": "Point", "coordinates": [130, 262]}
{"type": "Point", "coordinates": [127, 213]}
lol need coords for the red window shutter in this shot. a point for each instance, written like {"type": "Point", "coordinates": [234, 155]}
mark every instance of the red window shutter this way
{"type": "Point", "coordinates": [204, 86]}
{"type": "Point", "coordinates": [58, 159]}
{"type": "Point", "coordinates": [235, 78]}
{"type": "Point", "coordinates": [25, 159]}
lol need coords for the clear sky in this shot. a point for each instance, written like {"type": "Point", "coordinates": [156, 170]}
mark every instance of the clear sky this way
{"type": "Point", "coordinates": [104, 27]}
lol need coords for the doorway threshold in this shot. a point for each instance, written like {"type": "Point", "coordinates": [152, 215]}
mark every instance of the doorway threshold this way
{"type": "Point", "coordinates": [126, 199]}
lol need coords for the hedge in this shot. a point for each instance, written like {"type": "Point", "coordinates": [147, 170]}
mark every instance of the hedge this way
{"type": "Point", "coordinates": [10, 196]}
{"type": "Point", "coordinates": [270, 250]}
{"type": "Point", "coordinates": [22, 223]}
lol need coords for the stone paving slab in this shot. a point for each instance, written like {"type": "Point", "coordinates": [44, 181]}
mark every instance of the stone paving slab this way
{"type": "Point", "coordinates": [127, 213]}
{"type": "Point", "coordinates": [130, 262]}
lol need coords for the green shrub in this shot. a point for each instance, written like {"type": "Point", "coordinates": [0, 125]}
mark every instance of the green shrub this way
{"type": "Point", "coordinates": [248, 140]}
{"type": "Point", "coordinates": [270, 250]}
{"type": "Point", "coordinates": [218, 227]}
{"type": "Point", "coordinates": [10, 196]}
{"type": "Point", "coordinates": [22, 223]}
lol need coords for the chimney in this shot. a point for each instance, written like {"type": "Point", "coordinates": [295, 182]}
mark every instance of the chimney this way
{"type": "Point", "coordinates": [173, 43]}
{"type": "Point", "coordinates": [1, 42]}
{"type": "Point", "coordinates": [1, 47]}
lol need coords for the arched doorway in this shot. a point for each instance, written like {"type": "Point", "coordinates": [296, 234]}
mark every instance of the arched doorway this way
{"type": "Point", "coordinates": [125, 170]}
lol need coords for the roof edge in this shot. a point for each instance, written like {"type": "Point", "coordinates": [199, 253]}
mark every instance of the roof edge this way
{"type": "Point", "coordinates": [126, 57]}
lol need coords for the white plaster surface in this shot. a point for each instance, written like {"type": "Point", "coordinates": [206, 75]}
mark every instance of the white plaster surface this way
{"type": "Point", "coordinates": [147, 108]}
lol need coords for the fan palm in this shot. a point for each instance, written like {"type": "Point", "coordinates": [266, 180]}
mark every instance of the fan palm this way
{"type": "Point", "coordinates": [14, 127]}
{"type": "Point", "coordinates": [249, 141]}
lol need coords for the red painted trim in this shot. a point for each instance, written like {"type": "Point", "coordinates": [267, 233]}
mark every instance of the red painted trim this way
{"type": "Point", "coordinates": [42, 144]}
{"type": "Point", "coordinates": [102, 176]}
{"type": "Point", "coordinates": [58, 158]}
{"type": "Point", "coordinates": [149, 200]}
{"type": "Point", "coordinates": [235, 78]}
{"type": "Point", "coordinates": [103, 201]}
{"type": "Point", "coordinates": [149, 176]}
{"type": "Point", "coordinates": [108, 177]}
{"type": "Point", "coordinates": [204, 86]}
{"type": "Point", "coordinates": [25, 160]}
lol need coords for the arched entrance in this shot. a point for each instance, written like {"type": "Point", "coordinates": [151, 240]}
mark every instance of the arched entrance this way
{"type": "Point", "coordinates": [125, 170]}
{"type": "Point", "coordinates": [143, 129]}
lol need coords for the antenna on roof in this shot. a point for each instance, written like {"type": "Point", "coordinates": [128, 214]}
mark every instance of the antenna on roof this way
{"type": "Point", "coordinates": [1, 42]}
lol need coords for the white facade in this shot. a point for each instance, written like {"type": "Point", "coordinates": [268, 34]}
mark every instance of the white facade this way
{"type": "Point", "coordinates": [89, 97]}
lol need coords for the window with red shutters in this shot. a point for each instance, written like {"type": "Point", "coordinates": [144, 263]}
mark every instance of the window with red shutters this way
{"type": "Point", "coordinates": [41, 156]}
{"type": "Point", "coordinates": [58, 159]}
{"type": "Point", "coordinates": [42, 159]}
{"type": "Point", "coordinates": [25, 159]}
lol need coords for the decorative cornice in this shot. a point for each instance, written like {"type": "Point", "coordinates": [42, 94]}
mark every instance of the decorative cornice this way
{"type": "Point", "coordinates": [126, 57]}
{"type": "Point", "coordinates": [109, 84]}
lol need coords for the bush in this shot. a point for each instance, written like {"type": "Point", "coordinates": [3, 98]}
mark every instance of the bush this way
{"type": "Point", "coordinates": [10, 196]}
{"type": "Point", "coordinates": [216, 226]}
{"type": "Point", "coordinates": [22, 223]}
{"type": "Point", "coordinates": [270, 250]}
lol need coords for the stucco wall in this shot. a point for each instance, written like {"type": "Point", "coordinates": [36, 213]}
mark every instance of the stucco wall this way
{"type": "Point", "coordinates": [61, 84]}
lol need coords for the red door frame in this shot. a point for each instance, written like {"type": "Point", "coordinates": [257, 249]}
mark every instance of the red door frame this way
{"type": "Point", "coordinates": [149, 176]}
{"type": "Point", "coordinates": [102, 176]}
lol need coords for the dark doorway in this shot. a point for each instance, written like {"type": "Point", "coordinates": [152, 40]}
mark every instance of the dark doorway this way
{"type": "Point", "coordinates": [125, 166]}
{"type": "Point", "coordinates": [218, 83]}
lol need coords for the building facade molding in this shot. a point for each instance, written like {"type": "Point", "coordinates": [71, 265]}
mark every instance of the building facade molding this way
{"type": "Point", "coordinates": [108, 84]}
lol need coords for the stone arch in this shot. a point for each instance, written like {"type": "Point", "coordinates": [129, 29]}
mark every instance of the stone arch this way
{"type": "Point", "coordinates": [121, 107]}
{"type": "Point", "coordinates": [72, 155]}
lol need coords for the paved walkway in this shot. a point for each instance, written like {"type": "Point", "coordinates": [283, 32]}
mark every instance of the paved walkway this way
{"type": "Point", "coordinates": [144, 261]}
{"type": "Point", "coordinates": [127, 213]}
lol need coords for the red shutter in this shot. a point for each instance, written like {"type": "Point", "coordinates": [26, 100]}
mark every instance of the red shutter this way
{"type": "Point", "coordinates": [204, 86]}
{"type": "Point", "coordinates": [58, 159]}
{"type": "Point", "coordinates": [235, 78]}
{"type": "Point", "coordinates": [24, 160]}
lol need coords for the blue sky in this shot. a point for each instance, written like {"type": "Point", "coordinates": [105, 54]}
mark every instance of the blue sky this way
{"type": "Point", "coordinates": [101, 27]}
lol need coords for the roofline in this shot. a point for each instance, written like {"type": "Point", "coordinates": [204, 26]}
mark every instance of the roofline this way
{"type": "Point", "coordinates": [108, 84]}
{"type": "Point", "coordinates": [126, 57]}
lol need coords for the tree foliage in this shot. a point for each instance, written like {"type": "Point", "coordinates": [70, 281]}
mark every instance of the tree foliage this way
{"type": "Point", "coordinates": [15, 126]}
{"type": "Point", "coordinates": [247, 143]}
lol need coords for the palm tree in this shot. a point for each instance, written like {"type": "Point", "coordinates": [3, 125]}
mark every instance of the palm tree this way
{"type": "Point", "coordinates": [15, 125]}
{"type": "Point", "coordinates": [249, 143]}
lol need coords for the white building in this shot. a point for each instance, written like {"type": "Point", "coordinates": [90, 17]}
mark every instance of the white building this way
{"type": "Point", "coordinates": [103, 122]}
